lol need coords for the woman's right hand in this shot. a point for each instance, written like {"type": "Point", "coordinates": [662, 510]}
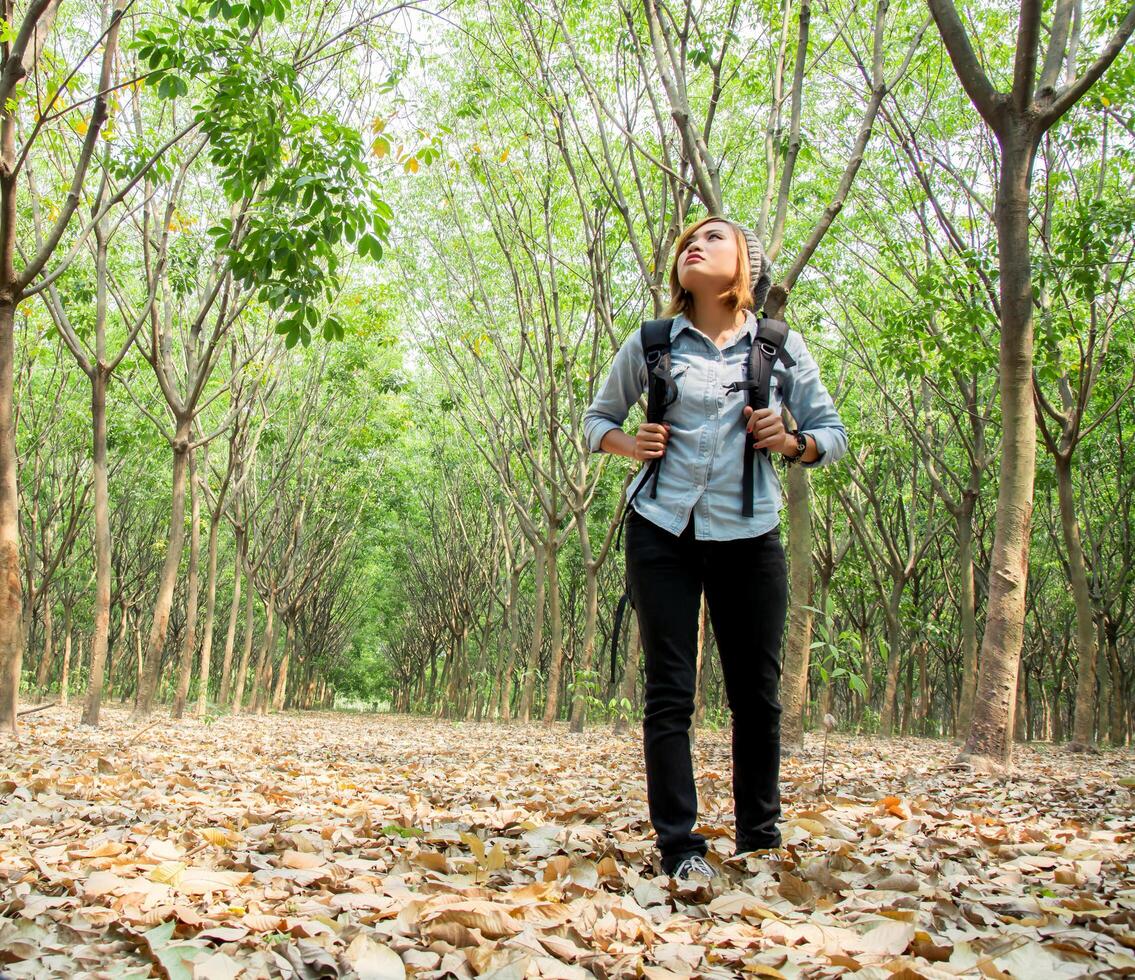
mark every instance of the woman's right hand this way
{"type": "Point", "coordinates": [650, 440]}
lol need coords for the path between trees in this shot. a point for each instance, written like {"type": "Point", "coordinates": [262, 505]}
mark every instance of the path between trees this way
{"type": "Point", "coordinates": [303, 845]}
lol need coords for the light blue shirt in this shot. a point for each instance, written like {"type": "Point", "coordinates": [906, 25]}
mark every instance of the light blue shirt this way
{"type": "Point", "coordinates": [704, 460]}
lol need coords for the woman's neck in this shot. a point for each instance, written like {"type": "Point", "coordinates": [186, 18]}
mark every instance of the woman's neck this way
{"type": "Point", "coordinates": [716, 320]}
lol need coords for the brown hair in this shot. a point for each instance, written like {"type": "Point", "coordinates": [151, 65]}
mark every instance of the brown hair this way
{"type": "Point", "coordinates": [738, 296]}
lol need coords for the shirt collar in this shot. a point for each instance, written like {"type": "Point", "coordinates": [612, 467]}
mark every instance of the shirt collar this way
{"type": "Point", "coordinates": [748, 328]}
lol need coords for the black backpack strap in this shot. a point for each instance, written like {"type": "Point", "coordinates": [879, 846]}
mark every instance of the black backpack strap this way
{"type": "Point", "coordinates": [661, 390]}
{"type": "Point", "coordinates": [620, 611]}
{"type": "Point", "coordinates": [660, 387]}
{"type": "Point", "coordinates": [767, 349]}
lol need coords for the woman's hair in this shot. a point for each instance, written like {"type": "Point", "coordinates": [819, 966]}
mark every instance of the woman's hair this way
{"type": "Point", "coordinates": [738, 296]}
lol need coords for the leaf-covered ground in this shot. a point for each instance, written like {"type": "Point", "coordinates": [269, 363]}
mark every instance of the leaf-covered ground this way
{"type": "Point", "coordinates": [382, 846]}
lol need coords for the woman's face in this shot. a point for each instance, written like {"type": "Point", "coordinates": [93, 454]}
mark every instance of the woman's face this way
{"type": "Point", "coordinates": [709, 260]}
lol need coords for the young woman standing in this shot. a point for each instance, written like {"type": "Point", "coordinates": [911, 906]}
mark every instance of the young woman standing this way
{"type": "Point", "coordinates": [690, 533]}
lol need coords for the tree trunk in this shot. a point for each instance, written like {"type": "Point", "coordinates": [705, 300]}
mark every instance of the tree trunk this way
{"type": "Point", "coordinates": [989, 742]}
{"type": "Point", "coordinates": [794, 681]}
{"type": "Point", "coordinates": [282, 674]}
{"type": "Point", "coordinates": [48, 650]}
{"type": "Point", "coordinates": [189, 646]}
{"type": "Point", "coordinates": [894, 638]}
{"type": "Point", "coordinates": [99, 640]}
{"type": "Point", "coordinates": [504, 709]}
{"type": "Point", "coordinates": [11, 595]}
{"type": "Point", "coordinates": [630, 674]}
{"type": "Point", "coordinates": [210, 615]}
{"type": "Point", "coordinates": [230, 635]}
{"type": "Point", "coordinates": [1083, 723]}
{"type": "Point", "coordinates": [552, 704]}
{"type": "Point", "coordinates": [968, 613]}
{"type": "Point", "coordinates": [65, 679]}
{"type": "Point", "coordinates": [591, 614]}
{"type": "Point", "coordinates": [529, 691]}
{"type": "Point", "coordinates": [246, 653]}
{"type": "Point", "coordinates": [263, 670]}
{"type": "Point", "coordinates": [160, 622]}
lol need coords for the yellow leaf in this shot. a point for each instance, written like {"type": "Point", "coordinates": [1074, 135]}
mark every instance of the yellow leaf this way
{"type": "Point", "coordinates": [504, 156]}
{"type": "Point", "coordinates": [476, 845]}
{"type": "Point", "coordinates": [378, 125]}
{"type": "Point", "coordinates": [412, 165]}
{"type": "Point", "coordinates": [167, 873]}
{"type": "Point", "coordinates": [1105, 101]}
{"type": "Point", "coordinates": [219, 837]}
{"type": "Point", "coordinates": [380, 147]}
{"type": "Point", "coordinates": [496, 858]}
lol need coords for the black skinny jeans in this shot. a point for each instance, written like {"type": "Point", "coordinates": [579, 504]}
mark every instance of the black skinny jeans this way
{"type": "Point", "coordinates": [746, 589]}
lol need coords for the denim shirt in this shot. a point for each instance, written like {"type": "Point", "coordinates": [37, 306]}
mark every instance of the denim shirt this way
{"type": "Point", "coordinates": [704, 459]}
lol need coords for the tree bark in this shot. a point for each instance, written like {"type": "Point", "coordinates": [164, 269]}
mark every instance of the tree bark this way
{"type": "Point", "coordinates": [210, 616]}
{"type": "Point", "coordinates": [11, 593]}
{"type": "Point", "coordinates": [1083, 720]}
{"type": "Point", "coordinates": [230, 635]}
{"type": "Point", "coordinates": [246, 653]}
{"type": "Point", "coordinates": [189, 646]}
{"type": "Point", "coordinates": [966, 599]}
{"type": "Point", "coordinates": [552, 704]}
{"type": "Point", "coordinates": [99, 640]}
{"type": "Point", "coordinates": [989, 743]}
{"type": "Point", "coordinates": [159, 626]}
{"type": "Point", "coordinates": [529, 691]}
{"type": "Point", "coordinates": [794, 681]}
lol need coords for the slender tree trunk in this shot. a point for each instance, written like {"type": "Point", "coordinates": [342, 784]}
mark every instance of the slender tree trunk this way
{"type": "Point", "coordinates": [1117, 725]}
{"type": "Point", "coordinates": [552, 704]}
{"type": "Point", "coordinates": [159, 627]}
{"type": "Point", "coordinates": [210, 615]}
{"type": "Point", "coordinates": [894, 638]}
{"type": "Point", "coordinates": [968, 613]}
{"type": "Point", "coordinates": [189, 647]}
{"type": "Point", "coordinates": [282, 673]}
{"type": "Point", "coordinates": [504, 709]}
{"type": "Point", "coordinates": [630, 675]}
{"type": "Point", "coordinates": [65, 680]}
{"type": "Point", "coordinates": [529, 691]}
{"type": "Point", "coordinates": [1083, 723]}
{"type": "Point", "coordinates": [99, 639]}
{"type": "Point", "coordinates": [263, 670]}
{"type": "Point", "coordinates": [704, 670]}
{"type": "Point", "coordinates": [989, 743]}
{"type": "Point", "coordinates": [11, 595]}
{"type": "Point", "coordinates": [48, 647]}
{"type": "Point", "coordinates": [591, 614]}
{"type": "Point", "coordinates": [230, 635]}
{"type": "Point", "coordinates": [246, 653]}
{"type": "Point", "coordinates": [794, 682]}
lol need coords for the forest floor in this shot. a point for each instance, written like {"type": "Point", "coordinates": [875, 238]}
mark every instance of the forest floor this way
{"type": "Point", "coordinates": [325, 845]}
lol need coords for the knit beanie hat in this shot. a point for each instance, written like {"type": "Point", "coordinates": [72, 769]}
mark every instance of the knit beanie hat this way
{"type": "Point", "coordinates": [760, 268]}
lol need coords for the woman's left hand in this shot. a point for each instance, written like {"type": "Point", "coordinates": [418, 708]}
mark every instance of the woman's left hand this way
{"type": "Point", "coordinates": [767, 427]}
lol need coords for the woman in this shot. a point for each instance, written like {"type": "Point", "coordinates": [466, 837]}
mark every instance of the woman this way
{"type": "Point", "coordinates": [690, 532]}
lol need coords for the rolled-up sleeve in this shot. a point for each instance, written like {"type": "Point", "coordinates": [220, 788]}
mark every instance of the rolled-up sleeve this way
{"type": "Point", "coordinates": [811, 405]}
{"type": "Point", "coordinates": [622, 387]}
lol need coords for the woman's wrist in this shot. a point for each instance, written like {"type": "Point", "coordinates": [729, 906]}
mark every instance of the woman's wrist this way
{"type": "Point", "coordinates": [790, 449]}
{"type": "Point", "coordinates": [618, 442]}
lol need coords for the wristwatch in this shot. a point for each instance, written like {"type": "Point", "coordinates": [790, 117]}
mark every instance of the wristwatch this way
{"type": "Point", "coordinates": [801, 448]}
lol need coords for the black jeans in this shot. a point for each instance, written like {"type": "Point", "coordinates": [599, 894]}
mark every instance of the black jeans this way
{"type": "Point", "coordinates": [746, 589]}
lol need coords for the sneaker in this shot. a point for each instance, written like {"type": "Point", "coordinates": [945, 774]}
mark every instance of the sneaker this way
{"type": "Point", "coordinates": [692, 865]}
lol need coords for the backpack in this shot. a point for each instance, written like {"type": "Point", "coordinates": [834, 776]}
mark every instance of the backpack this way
{"type": "Point", "coordinates": [662, 391]}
